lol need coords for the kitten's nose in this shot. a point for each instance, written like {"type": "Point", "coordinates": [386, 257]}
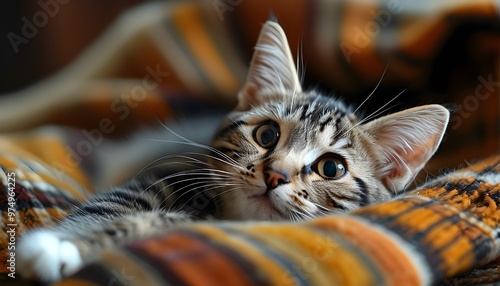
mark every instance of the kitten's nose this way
{"type": "Point", "coordinates": [275, 178]}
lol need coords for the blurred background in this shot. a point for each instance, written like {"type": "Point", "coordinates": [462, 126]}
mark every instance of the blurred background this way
{"type": "Point", "coordinates": [76, 25]}
{"type": "Point", "coordinates": [444, 52]}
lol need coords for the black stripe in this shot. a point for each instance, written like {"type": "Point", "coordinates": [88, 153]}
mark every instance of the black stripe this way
{"type": "Point", "coordinates": [133, 198]}
{"type": "Point", "coordinates": [93, 210]}
{"type": "Point", "coordinates": [135, 203]}
{"type": "Point", "coordinates": [287, 264]}
{"type": "Point", "coordinates": [117, 201]}
{"type": "Point", "coordinates": [267, 157]}
{"type": "Point", "coordinates": [156, 261]}
{"type": "Point", "coordinates": [334, 203]}
{"type": "Point", "coordinates": [253, 273]}
{"type": "Point", "coordinates": [490, 169]}
{"type": "Point", "coordinates": [365, 199]}
{"type": "Point", "coordinates": [304, 112]}
{"type": "Point", "coordinates": [337, 133]}
{"type": "Point", "coordinates": [315, 115]}
{"type": "Point", "coordinates": [226, 150]}
{"type": "Point", "coordinates": [155, 264]}
{"type": "Point", "coordinates": [391, 220]}
{"type": "Point", "coordinates": [99, 275]}
{"type": "Point", "coordinates": [142, 204]}
{"type": "Point", "coordinates": [324, 123]}
{"type": "Point", "coordinates": [230, 128]}
{"type": "Point", "coordinates": [118, 198]}
{"type": "Point", "coordinates": [417, 239]}
{"type": "Point", "coordinates": [343, 197]}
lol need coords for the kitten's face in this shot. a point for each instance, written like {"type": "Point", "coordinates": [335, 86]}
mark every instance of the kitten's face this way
{"type": "Point", "coordinates": [297, 159]}
{"type": "Point", "coordinates": [285, 154]}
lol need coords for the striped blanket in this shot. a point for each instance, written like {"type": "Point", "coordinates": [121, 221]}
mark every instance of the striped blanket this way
{"type": "Point", "coordinates": [439, 230]}
{"type": "Point", "coordinates": [165, 61]}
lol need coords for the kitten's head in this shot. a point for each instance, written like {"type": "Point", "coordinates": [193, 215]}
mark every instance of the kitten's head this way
{"type": "Point", "coordinates": [294, 154]}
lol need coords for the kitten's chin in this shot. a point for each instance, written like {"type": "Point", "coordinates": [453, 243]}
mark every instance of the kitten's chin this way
{"type": "Point", "coordinates": [264, 209]}
{"type": "Point", "coordinates": [240, 206]}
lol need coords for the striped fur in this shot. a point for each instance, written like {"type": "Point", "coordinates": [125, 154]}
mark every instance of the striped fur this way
{"type": "Point", "coordinates": [282, 154]}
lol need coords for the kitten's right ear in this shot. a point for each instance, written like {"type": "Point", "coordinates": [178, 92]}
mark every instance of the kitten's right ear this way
{"type": "Point", "coordinates": [271, 68]}
{"type": "Point", "coordinates": [407, 140]}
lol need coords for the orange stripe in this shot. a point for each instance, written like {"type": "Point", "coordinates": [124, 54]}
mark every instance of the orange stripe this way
{"type": "Point", "coordinates": [319, 257]}
{"type": "Point", "coordinates": [430, 193]}
{"type": "Point", "coordinates": [390, 208]}
{"type": "Point", "coordinates": [195, 262]}
{"type": "Point", "coordinates": [393, 261]}
{"type": "Point", "coordinates": [274, 272]}
{"type": "Point", "coordinates": [490, 161]}
{"type": "Point", "coordinates": [188, 21]}
{"type": "Point", "coordinates": [11, 165]}
{"type": "Point", "coordinates": [419, 220]}
{"type": "Point", "coordinates": [458, 257]}
{"type": "Point", "coordinates": [442, 235]}
{"type": "Point", "coordinates": [447, 237]}
{"type": "Point", "coordinates": [48, 151]}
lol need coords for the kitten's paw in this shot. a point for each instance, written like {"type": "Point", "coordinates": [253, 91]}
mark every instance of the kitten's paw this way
{"type": "Point", "coordinates": [45, 256]}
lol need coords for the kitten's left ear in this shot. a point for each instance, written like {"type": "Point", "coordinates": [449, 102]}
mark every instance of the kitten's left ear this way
{"type": "Point", "coordinates": [407, 140]}
{"type": "Point", "coordinates": [272, 67]}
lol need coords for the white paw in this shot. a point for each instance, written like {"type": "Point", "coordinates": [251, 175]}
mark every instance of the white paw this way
{"type": "Point", "coordinates": [43, 255]}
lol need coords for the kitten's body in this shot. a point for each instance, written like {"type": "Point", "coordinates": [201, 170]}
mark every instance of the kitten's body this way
{"type": "Point", "coordinates": [282, 154]}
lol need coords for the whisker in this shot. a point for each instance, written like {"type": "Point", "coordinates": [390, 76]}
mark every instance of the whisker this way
{"type": "Point", "coordinates": [165, 178]}
{"type": "Point", "coordinates": [190, 143]}
{"type": "Point", "coordinates": [218, 159]}
{"type": "Point", "coordinates": [176, 192]}
{"type": "Point", "coordinates": [376, 87]}
{"type": "Point", "coordinates": [181, 156]}
{"type": "Point", "coordinates": [207, 190]}
{"type": "Point", "coordinates": [369, 117]}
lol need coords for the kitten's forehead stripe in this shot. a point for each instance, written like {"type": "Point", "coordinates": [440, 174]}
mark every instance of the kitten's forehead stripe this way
{"type": "Point", "coordinates": [305, 109]}
{"type": "Point", "coordinates": [324, 123]}
{"type": "Point", "coordinates": [339, 131]}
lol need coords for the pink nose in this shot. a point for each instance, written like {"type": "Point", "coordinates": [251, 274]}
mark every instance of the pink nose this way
{"type": "Point", "coordinates": [275, 178]}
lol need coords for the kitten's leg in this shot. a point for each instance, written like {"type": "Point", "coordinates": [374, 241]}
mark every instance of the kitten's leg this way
{"type": "Point", "coordinates": [107, 220]}
{"type": "Point", "coordinates": [50, 254]}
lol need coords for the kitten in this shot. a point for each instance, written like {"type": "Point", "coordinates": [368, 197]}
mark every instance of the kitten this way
{"type": "Point", "coordinates": [282, 154]}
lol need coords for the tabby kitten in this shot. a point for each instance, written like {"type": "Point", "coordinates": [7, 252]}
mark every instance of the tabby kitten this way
{"type": "Point", "coordinates": [282, 154]}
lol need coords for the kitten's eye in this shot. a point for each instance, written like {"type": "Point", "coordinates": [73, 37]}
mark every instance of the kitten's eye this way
{"type": "Point", "coordinates": [331, 167]}
{"type": "Point", "coordinates": [267, 134]}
